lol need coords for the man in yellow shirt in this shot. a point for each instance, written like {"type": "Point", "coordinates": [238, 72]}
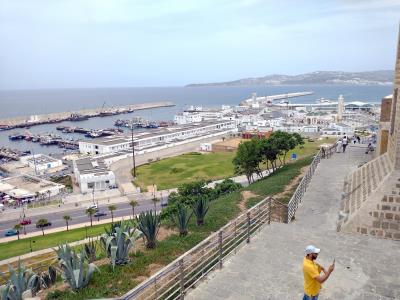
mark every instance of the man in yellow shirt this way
{"type": "Point", "coordinates": [312, 273]}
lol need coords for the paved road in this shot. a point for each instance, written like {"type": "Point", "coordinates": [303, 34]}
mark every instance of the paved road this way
{"type": "Point", "coordinates": [79, 215]}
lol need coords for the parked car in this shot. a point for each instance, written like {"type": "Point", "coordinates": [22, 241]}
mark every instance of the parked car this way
{"type": "Point", "coordinates": [43, 225]}
{"type": "Point", "coordinates": [11, 232]}
{"type": "Point", "coordinates": [100, 214]}
{"type": "Point", "coordinates": [25, 222]}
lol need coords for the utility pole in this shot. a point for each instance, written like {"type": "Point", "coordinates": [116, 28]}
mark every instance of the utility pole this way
{"type": "Point", "coordinates": [34, 162]}
{"type": "Point", "coordinates": [133, 152]}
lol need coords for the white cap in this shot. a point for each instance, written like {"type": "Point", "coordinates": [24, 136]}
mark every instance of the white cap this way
{"type": "Point", "coordinates": [312, 249]}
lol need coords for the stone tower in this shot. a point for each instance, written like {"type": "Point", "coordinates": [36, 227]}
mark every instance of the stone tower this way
{"type": "Point", "coordinates": [394, 129]}
{"type": "Point", "coordinates": [340, 108]}
{"type": "Point", "coordinates": [371, 194]}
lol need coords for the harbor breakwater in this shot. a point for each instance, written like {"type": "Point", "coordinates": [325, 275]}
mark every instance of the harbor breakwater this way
{"type": "Point", "coordinates": [32, 120]}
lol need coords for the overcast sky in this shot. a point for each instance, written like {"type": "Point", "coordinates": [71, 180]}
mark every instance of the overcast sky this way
{"type": "Point", "coordinates": [120, 43]}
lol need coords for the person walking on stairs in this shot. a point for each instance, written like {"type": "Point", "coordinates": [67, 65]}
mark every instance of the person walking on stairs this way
{"type": "Point", "coordinates": [313, 278]}
{"type": "Point", "coordinates": [345, 141]}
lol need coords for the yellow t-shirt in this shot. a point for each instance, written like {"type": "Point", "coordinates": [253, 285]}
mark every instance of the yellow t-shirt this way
{"type": "Point", "coordinates": [311, 270]}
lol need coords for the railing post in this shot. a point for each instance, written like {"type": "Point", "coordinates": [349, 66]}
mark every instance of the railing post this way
{"type": "Point", "coordinates": [235, 236]}
{"type": "Point", "coordinates": [259, 218]}
{"type": "Point", "coordinates": [248, 227]}
{"type": "Point", "coordinates": [220, 248]}
{"type": "Point", "coordinates": [269, 210]}
{"type": "Point", "coordinates": [181, 279]}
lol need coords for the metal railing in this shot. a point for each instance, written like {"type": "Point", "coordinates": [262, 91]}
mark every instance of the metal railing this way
{"type": "Point", "coordinates": [174, 280]}
{"type": "Point", "coordinates": [293, 204]}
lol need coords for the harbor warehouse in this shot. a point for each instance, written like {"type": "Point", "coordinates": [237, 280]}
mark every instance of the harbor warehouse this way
{"type": "Point", "coordinates": [157, 137]}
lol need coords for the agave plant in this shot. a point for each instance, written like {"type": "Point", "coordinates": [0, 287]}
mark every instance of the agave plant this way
{"type": "Point", "coordinates": [200, 209]}
{"type": "Point", "coordinates": [149, 224]}
{"type": "Point", "coordinates": [74, 268]}
{"type": "Point", "coordinates": [111, 230]}
{"type": "Point", "coordinates": [181, 218]}
{"type": "Point", "coordinates": [47, 279]}
{"type": "Point", "coordinates": [22, 283]}
{"type": "Point", "coordinates": [118, 244]}
{"type": "Point", "coordinates": [90, 249]}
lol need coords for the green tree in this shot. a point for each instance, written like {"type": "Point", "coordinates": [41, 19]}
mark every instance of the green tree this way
{"type": "Point", "coordinates": [18, 228]}
{"type": "Point", "coordinates": [285, 142]}
{"type": "Point", "coordinates": [133, 204]}
{"type": "Point", "coordinates": [90, 212]}
{"type": "Point", "coordinates": [248, 158]}
{"type": "Point", "coordinates": [269, 152]}
{"type": "Point", "coordinates": [112, 208]}
{"type": "Point", "coordinates": [41, 223]}
{"type": "Point", "coordinates": [67, 218]}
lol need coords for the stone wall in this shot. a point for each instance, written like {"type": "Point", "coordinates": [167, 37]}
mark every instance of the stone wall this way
{"type": "Point", "coordinates": [362, 182]}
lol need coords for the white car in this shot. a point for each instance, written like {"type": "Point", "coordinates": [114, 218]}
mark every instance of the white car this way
{"type": "Point", "coordinates": [94, 206]}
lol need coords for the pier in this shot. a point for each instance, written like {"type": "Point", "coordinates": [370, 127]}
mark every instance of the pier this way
{"type": "Point", "coordinates": [28, 121]}
{"type": "Point", "coordinates": [266, 99]}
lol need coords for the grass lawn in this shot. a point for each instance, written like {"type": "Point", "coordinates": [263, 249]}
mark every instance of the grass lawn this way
{"type": "Point", "coordinates": [110, 283]}
{"type": "Point", "coordinates": [171, 172]}
{"type": "Point", "coordinates": [15, 248]}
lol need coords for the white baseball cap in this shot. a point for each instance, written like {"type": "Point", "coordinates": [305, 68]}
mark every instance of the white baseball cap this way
{"type": "Point", "coordinates": [312, 249]}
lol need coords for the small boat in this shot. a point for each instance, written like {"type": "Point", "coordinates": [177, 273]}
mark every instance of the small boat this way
{"type": "Point", "coordinates": [15, 137]}
{"type": "Point", "coordinates": [152, 126]}
{"type": "Point", "coordinates": [94, 133]}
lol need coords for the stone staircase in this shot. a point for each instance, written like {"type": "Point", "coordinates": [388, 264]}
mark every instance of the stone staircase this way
{"type": "Point", "coordinates": [371, 200]}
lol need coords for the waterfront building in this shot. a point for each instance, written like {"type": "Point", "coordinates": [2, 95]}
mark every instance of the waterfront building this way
{"type": "Point", "coordinates": [158, 138]}
{"type": "Point", "coordinates": [92, 174]}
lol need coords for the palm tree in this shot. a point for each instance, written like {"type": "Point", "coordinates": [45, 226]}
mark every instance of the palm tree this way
{"type": "Point", "coordinates": [48, 193]}
{"type": "Point", "coordinates": [41, 223]}
{"type": "Point", "coordinates": [155, 200]}
{"type": "Point", "coordinates": [18, 228]}
{"type": "Point", "coordinates": [111, 208]}
{"type": "Point", "coordinates": [37, 196]}
{"type": "Point", "coordinates": [67, 218]}
{"type": "Point", "coordinates": [90, 212]}
{"type": "Point", "coordinates": [133, 204]}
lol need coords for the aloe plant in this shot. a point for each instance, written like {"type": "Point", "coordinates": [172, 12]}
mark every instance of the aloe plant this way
{"type": "Point", "coordinates": [22, 283]}
{"type": "Point", "coordinates": [118, 244]}
{"type": "Point", "coordinates": [149, 224]}
{"type": "Point", "coordinates": [90, 249]}
{"type": "Point", "coordinates": [181, 218]}
{"type": "Point", "coordinates": [200, 209]}
{"type": "Point", "coordinates": [75, 269]}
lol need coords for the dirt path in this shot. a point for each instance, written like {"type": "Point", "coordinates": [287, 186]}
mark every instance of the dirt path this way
{"type": "Point", "coordinates": [246, 195]}
{"type": "Point", "coordinates": [289, 187]}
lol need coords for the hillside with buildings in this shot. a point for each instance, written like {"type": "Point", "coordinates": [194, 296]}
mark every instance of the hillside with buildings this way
{"type": "Point", "coordinates": [382, 77]}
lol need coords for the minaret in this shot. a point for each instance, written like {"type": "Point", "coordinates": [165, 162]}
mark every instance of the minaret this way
{"type": "Point", "coordinates": [340, 108]}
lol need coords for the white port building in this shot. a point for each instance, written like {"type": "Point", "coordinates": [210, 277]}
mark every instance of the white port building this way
{"type": "Point", "coordinates": [158, 137]}
{"type": "Point", "coordinates": [41, 163]}
{"type": "Point", "coordinates": [92, 174]}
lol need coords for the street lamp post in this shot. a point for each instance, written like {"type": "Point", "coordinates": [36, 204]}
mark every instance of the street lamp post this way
{"type": "Point", "coordinates": [133, 152]}
{"type": "Point", "coordinates": [93, 197]}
